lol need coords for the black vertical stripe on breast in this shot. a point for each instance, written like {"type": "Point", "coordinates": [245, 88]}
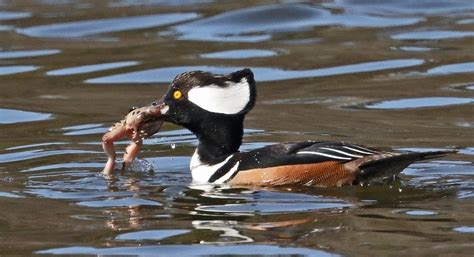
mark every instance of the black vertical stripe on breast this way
{"type": "Point", "coordinates": [223, 170]}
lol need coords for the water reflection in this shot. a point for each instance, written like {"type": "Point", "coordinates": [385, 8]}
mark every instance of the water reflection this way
{"type": "Point", "coordinates": [33, 154]}
{"type": "Point", "coordinates": [420, 213]}
{"type": "Point", "coordinates": [130, 3]}
{"type": "Point", "coordinates": [254, 25]}
{"type": "Point", "coordinates": [467, 67]}
{"type": "Point", "coordinates": [464, 229]}
{"type": "Point", "coordinates": [27, 53]}
{"type": "Point", "coordinates": [229, 234]}
{"type": "Point", "coordinates": [422, 102]}
{"type": "Point", "coordinates": [191, 250]}
{"type": "Point", "coordinates": [239, 54]}
{"type": "Point", "coordinates": [5, 28]}
{"type": "Point", "coordinates": [85, 129]}
{"type": "Point", "coordinates": [91, 68]}
{"type": "Point", "coordinates": [9, 116]}
{"type": "Point", "coordinates": [164, 75]}
{"type": "Point", "coordinates": [416, 49]}
{"type": "Point", "coordinates": [268, 202]}
{"type": "Point", "coordinates": [93, 27]}
{"type": "Point", "coordinates": [10, 195]}
{"type": "Point", "coordinates": [151, 234]}
{"type": "Point", "coordinates": [466, 21]}
{"type": "Point", "coordinates": [154, 208]}
{"type": "Point", "coordinates": [9, 70]}
{"type": "Point", "coordinates": [35, 145]}
{"type": "Point", "coordinates": [425, 7]}
{"type": "Point", "coordinates": [13, 15]}
{"type": "Point", "coordinates": [122, 202]}
{"type": "Point", "coordinates": [432, 35]}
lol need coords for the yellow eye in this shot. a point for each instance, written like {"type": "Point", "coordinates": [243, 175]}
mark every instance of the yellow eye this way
{"type": "Point", "coordinates": [177, 94]}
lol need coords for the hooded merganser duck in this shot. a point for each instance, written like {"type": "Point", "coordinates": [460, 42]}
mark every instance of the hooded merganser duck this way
{"type": "Point", "coordinates": [213, 107]}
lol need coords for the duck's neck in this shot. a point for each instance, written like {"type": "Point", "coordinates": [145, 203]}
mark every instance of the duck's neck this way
{"type": "Point", "coordinates": [218, 138]}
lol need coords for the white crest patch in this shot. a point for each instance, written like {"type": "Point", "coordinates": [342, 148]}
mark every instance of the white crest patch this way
{"type": "Point", "coordinates": [227, 100]}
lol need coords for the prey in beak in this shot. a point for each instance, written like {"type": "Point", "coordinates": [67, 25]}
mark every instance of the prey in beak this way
{"type": "Point", "coordinates": [138, 124]}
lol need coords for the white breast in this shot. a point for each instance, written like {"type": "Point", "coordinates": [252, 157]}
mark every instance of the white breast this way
{"type": "Point", "coordinates": [202, 172]}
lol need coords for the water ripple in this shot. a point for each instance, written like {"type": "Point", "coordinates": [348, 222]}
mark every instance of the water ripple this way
{"type": "Point", "coordinates": [422, 102]}
{"type": "Point", "coordinates": [464, 229]}
{"type": "Point", "coordinates": [239, 54]}
{"type": "Point", "coordinates": [122, 202]}
{"type": "Point", "coordinates": [13, 15]}
{"type": "Point", "coordinates": [10, 116]}
{"type": "Point", "coordinates": [432, 35]}
{"type": "Point", "coordinates": [129, 3]}
{"type": "Point", "coordinates": [467, 67]}
{"type": "Point", "coordinates": [27, 53]}
{"type": "Point", "coordinates": [151, 234]}
{"type": "Point", "coordinates": [191, 250]}
{"type": "Point", "coordinates": [253, 24]}
{"type": "Point", "coordinates": [55, 194]}
{"type": "Point", "coordinates": [34, 154]}
{"type": "Point", "coordinates": [386, 7]}
{"type": "Point", "coordinates": [86, 28]}
{"type": "Point", "coordinates": [164, 75]}
{"type": "Point", "coordinates": [35, 145]}
{"type": "Point", "coordinates": [9, 70]}
{"type": "Point", "coordinates": [10, 195]}
{"type": "Point", "coordinates": [267, 202]}
{"type": "Point", "coordinates": [420, 213]}
{"type": "Point", "coordinates": [85, 129]}
{"type": "Point", "coordinates": [91, 68]}
{"type": "Point", "coordinates": [69, 165]}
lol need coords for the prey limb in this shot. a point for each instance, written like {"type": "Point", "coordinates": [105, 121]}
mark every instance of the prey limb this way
{"type": "Point", "coordinates": [138, 124]}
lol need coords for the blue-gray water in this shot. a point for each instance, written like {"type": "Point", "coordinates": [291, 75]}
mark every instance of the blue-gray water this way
{"type": "Point", "coordinates": [392, 74]}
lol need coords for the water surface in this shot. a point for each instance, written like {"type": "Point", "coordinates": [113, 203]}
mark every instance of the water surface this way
{"type": "Point", "coordinates": [17, 116]}
{"type": "Point", "coordinates": [99, 26]}
{"type": "Point", "coordinates": [27, 53]}
{"type": "Point", "coordinates": [9, 70]}
{"type": "Point", "coordinates": [164, 75]}
{"type": "Point", "coordinates": [420, 102]}
{"type": "Point", "coordinates": [91, 68]}
{"type": "Point", "coordinates": [395, 75]}
{"type": "Point", "coordinates": [239, 54]}
{"type": "Point", "coordinates": [237, 25]}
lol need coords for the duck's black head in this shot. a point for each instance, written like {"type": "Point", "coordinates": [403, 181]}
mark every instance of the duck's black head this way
{"type": "Point", "coordinates": [212, 106]}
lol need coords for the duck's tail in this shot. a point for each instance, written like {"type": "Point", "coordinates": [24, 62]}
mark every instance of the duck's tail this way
{"type": "Point", "coordinates": [389, 165]}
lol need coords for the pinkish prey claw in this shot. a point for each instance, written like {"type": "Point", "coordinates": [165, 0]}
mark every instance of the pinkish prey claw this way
{"type": "Point", "coordinates": [146, 118]}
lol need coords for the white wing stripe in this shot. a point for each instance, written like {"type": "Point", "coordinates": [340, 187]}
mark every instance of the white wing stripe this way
{"type": "Point", "coordinates": [325, 155]}
{"type": "Point", "coordinates": [364, 149]}
{"type": "Point", "coordinates": [356, 150]}
{"type": "Point", "coordinates": [341, 152]}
